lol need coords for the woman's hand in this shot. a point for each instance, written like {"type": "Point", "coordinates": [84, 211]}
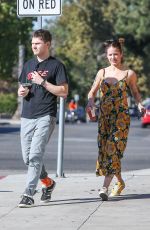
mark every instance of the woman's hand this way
{"type": "Point", "coordinates": [90, 109]}
{"type": "Point", "coordinates": [141, 109]}
{"type": "Point", "coordinates": [90, 104]}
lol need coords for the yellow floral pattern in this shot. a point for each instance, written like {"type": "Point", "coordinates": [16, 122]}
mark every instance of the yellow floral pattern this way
{"type": "Point", "coordinates": [113, 127]}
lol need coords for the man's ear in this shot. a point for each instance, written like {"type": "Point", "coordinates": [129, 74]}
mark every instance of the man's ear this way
{"type": "Point", "coordinates": [49, 44]}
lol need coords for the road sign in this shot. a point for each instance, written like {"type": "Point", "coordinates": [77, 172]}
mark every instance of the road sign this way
{"type": "Point", "coordinates": [34, 8]}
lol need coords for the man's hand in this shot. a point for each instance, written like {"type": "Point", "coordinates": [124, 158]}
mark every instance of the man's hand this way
{"type": "Point", "coordinates": [36, 78]}
{"type": "Point", "coordinates": [23, 91]}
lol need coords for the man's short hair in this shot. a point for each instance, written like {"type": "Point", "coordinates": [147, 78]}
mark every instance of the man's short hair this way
{"type": "Point", "coordinates": [45, 35]}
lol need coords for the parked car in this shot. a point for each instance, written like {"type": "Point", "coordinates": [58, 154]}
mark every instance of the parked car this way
{"type": "Point", "coordinates": [145, 120]}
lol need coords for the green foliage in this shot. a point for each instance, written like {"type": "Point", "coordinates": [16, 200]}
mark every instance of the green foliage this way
{"type": "Point", "coordinates": [132, 21]}
{"type": "Point", "coordinates": [13, 30]}
{"type": "Point", "coordinates": [85, 24]}
{"type": "Point", "coordinates": [136, 63]}
{"type": "Point", "coordinates": [78, 38]}
{"type": "Point", "coordinates": [129, 17]}
{"type": "Point", "coordinates": [8, 103]}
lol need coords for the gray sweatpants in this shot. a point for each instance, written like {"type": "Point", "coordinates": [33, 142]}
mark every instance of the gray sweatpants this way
{"type": "Point", "coordinates": [35, 134]}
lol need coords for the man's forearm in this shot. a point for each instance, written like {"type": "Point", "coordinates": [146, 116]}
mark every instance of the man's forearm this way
{"type": "Point", "coordinates": [58, 90]}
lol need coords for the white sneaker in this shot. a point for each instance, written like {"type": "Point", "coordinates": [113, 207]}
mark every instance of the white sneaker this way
{"type": "Point", "coordinates": [103, 194]}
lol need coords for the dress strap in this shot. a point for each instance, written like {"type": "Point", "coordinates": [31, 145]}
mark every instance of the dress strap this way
{"type": "Point", "coordinates": [103, 73]}
{"type": "Point", "coordinates": [125, 76]}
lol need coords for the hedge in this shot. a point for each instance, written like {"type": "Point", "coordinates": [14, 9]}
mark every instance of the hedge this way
{"type": "Point", "coordinates": [8, 103]}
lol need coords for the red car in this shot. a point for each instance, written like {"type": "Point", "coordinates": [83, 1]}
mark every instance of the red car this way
{"type": "Point", "coordinates": [146, 119]}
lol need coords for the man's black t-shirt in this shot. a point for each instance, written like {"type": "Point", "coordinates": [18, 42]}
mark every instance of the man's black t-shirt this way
{"type": "Point", "coordinates": [40, 102]}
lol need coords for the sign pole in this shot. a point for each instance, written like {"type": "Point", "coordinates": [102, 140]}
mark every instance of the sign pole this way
{"type": "Point", "coordinates": [61, 138]}
{"type": "Point", "coordinates": [39, 22]}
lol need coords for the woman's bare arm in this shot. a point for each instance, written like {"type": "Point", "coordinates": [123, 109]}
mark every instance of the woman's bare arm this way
{"type": "Point", "coordinates": [132, 82]}
{"type": "Point", "coordinates": [96, 84]}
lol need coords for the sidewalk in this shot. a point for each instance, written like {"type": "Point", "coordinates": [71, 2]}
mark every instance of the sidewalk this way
{"type": "Point", "coordinates": [76, 205]}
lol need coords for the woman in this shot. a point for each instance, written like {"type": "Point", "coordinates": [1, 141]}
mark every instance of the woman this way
{"type": "Point", "coordinates": [114, 119]}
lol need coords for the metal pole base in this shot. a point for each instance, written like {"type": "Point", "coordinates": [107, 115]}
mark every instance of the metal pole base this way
{"type": "Point", "coordinates": [62, 176]}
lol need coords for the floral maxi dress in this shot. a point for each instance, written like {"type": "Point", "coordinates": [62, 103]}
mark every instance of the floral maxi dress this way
{"type": "Point", "coordinates": [113, 127]}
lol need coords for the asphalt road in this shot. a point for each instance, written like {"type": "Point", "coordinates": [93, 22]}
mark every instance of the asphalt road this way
{"type": "Point", "coordinates": [80, 149]}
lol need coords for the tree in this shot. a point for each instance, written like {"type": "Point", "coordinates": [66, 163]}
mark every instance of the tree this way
{"type": "Point", "coordinates": [85, 24]}
{"type": "Point", "coordinates": [13, 30]}
{"type": "Point", "coordinates": [78, 37]}
{"type": "Point", "coordinates": [132, 21]}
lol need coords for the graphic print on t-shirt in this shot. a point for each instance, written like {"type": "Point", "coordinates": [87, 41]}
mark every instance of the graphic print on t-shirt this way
{"type": "Point", "coordinates": [42, 73]}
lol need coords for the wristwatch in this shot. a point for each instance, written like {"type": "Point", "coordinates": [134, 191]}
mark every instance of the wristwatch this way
{"type": "Point", "coordinates": [43, 82]}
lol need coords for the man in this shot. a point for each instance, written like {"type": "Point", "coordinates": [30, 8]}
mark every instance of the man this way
{"type": "Point", "coordinates": [43, 78]}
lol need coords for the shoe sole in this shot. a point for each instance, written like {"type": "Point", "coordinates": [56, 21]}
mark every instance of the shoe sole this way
{"type": "Point", "coordinates": [25, 206]}
{"type": "Point", "coordinates": [103, 196]}
{"type": "Point", "coordinates": [45, 201]}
